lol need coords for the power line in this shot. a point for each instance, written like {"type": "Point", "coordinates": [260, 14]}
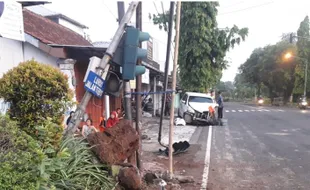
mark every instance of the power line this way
{"type": "Point", "coordinates": [155, 7]}
{"type": "Point", "coordinates": [110, 11]}
{"type": "Point", "coordinates": [248, 8]}
{"type": "Point", "coordinates": [231, 5]}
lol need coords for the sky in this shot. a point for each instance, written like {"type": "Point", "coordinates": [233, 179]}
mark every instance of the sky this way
{"type": "Point", "coordinates": [267, 20]}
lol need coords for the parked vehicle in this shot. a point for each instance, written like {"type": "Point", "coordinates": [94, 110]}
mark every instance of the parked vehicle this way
{"type": "Point", "coordinates": [303, 104]}
{"type": "Point", "coordinates": [195, 107]}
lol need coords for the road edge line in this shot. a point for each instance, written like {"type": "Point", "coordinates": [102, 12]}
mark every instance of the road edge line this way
{"type": "Point", "coordinates": [205, 174]}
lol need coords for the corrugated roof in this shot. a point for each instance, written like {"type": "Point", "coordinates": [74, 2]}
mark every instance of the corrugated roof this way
{"type": "Point", "coordinates": [50, 32]}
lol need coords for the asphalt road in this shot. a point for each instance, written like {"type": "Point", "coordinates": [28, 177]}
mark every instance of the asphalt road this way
{"type": "Point", "coordinates": [258, 148]}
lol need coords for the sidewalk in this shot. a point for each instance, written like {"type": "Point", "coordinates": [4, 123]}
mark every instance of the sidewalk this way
{"type": "Point", "coordinates": [155, 162]}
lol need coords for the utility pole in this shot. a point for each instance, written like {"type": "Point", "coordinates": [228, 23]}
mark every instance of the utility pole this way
{"type": "Point", "coordinates": [138, 89]}
{"type": "Point", "coordinates": [102, 69]}
{"type": "Point", "coordinates": [174, 80]}
{"type": "Point", "coordinates": [163, 103]}
{"type": "Point", "coordinates": [306, 78]}
{"type": "Point", "coordinates": [126, 87]}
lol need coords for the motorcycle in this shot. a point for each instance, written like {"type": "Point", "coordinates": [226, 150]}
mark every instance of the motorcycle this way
{"type": "Point", "coordinates": [303, 104]}
{"type": "Point", "coordinates": [260, 102]}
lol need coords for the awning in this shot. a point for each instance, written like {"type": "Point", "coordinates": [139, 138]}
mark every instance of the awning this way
{"type": "Point", "coordinates": [86, 52]}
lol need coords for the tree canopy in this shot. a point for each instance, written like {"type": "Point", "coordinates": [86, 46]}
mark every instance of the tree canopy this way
{"type": "Point", "coordinates": [203, 45]}
{"type": "Point", "coordinates": [268, 68]}
{"type": "Point", "coordinates": [303, 54]}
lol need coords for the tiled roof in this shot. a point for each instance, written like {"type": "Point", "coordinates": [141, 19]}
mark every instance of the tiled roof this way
{"type": "Point", "coordinates": [50, 32]}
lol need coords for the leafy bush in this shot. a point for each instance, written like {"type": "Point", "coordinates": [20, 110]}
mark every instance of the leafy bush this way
{"type": "Point", "coordinates": [75, 167]}
{"type": "Point", "coordinates": [20, 157]}
{"type": "Point", "coordinates": [36, 92]}
{"type": "Point", "coordinates": [49, 136]}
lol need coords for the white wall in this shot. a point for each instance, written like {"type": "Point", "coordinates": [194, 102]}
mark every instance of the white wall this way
{"type": "Point", "coordinates": [31, 52]}
{"type": "Point", "coordinates": [71, 26]}
{"type": "Point", "coordinates": [11, 54]}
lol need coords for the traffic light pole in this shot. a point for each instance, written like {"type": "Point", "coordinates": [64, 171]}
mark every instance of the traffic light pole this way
{"type": "Point", "coordinates": [102, 70]}
{"type": "Point", "coordinates": [126, 87]}
{"type": "Point", "coordinates": [306, 78]}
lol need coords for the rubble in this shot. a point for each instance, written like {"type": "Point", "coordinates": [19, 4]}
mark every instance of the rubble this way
{"type": "Point", "coordinates": [150, 177]}
{"type": "Point", "coordinates": [129, 178]}
{"type": "Point", "coordinates": [115, 144]}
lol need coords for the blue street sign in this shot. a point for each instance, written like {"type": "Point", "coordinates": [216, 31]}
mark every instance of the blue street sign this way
{"type": "Point", "coordinates": [94, 84]}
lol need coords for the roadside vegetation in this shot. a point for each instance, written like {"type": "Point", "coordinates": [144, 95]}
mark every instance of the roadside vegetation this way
{"type": "Point", "coordinates": [33, 153]}
{"type": "Point", "coordinates": [270, 74]}
{"type": "Point", "coordinates": [203, 45]}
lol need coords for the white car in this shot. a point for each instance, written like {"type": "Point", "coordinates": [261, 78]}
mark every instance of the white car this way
{"type": "Point", "coordinates": [195, 107]}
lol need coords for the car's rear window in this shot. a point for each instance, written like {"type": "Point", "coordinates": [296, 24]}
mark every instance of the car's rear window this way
{"type": "Point", "coordinates": [197, 99]}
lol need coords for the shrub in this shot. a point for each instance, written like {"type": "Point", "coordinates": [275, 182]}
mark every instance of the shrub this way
{"type": "Point", "coordinates": [49, 136]}
{"type": "Point", "coordinates": [36, 92]}
{"type": "Point", "coordinates": [20, 157]}
{"type": "Point", "coordinates": [76, 167]}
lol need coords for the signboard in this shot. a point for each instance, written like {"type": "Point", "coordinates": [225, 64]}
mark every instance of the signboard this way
{"type": "Point", "coordinates": [94, 84]}
{"type": "Point", "coordinates": [146, 77]}
{"type": "Point", "coordinates": [65, 66]}
{"type": "Point", "coordinates": [150, 49]}
{"type": "Point", "coordinates": [92, 65]}
{"type": "Point", "coordinates": [11, 20]}
{"type": "Point", "coordinates": [132, 84]}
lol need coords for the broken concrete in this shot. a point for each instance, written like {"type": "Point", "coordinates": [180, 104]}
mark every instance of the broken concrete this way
{"type": "Point", "coordinates": [115, 144]}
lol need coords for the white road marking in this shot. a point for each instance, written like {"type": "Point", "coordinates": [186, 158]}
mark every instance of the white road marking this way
{"type": "Point", "coordinates": [207, 161]}
{"type": "Point", "coordinates": [240, 110]}
{"type": "Point", "coordinates": [227, 111]}
{"type": "Point", "coordinates": [267, 110]}
{"type": "Point", "coordinates": [281, 110]}
{"type": "Point", "coordinates": [278, 134]}
{"type": "Point", "coordinates": [246, 110]}
{"type": "Point", "coordinates": [260, 110]}
{"type": "Point", "coordinates": [233, 111]}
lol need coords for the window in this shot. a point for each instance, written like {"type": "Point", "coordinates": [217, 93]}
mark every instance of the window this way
{"type": "Point", "coordinates": [184, 98]}
{"type": "Point", "coordinates": [197, 99]}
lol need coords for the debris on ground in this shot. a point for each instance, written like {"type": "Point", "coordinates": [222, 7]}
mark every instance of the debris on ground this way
{"type": "Point", "coordinates": [163, 178]}
{"type": "Point", "coordinates": [115, 144]}
{"type": "Point", "coordinates": [179, 122]}
{"type": "Point", "coordinates": [144, 137]}
{"type": "Point", "coordinates": [149, 177]}
{"type": "Point", "coordinates": [129, 178]}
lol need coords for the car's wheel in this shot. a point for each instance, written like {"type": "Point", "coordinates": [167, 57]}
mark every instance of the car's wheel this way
{"type": "Point", "coordinates": [188, 118]}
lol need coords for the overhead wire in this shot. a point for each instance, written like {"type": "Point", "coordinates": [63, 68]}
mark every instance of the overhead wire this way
{"type": "Point", "coordinates": [248, 8]}
{"type": "Point", "coordinates": [231, 5]}
{"type": "Point", "coordinates": [110, 11]}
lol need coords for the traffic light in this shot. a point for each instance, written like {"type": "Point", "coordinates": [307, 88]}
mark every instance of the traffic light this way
{"type": "Point", "coordinates": [178, 147]}
{"type": "Point", "coordinates": [113, 84]}
{"type": "Point", "coordinates": [132, 53]}
{"type": "Point", "coordinates": [291, 38]}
